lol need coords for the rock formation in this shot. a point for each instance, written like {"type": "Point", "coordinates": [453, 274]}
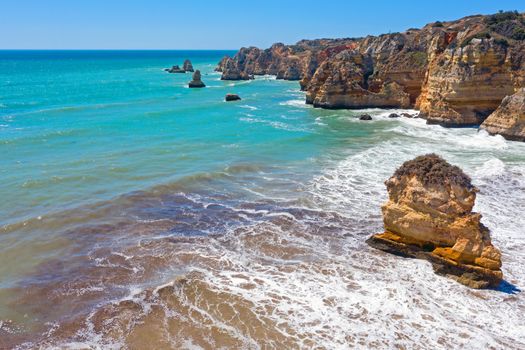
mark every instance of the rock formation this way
{"type": "Point", "coordinates": [187, 66]}
{"type": "Point", "coordinates": [456, 72]}
{"type": "Point", "coordinates": [231, 97]}
{"type": "Point", "coordinates": [509, 119]}
{"type": "Point", "coordinates": [365, 117]}
{"type": "Point", "coordinates": [429, 215]}
{"type": "Point", "coordinates": [196, 82]}
{"type": "Point", "coordinates": [175, 69]}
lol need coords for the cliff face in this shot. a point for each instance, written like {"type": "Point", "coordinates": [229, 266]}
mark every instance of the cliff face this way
{"type": "Point", "coordinates": [509, 119]}
{"type": "Point", "coordinates": [456, 73]}
{"type": "Point", "coordinates": [469, 75]}
{"type": "Point", "coordinates": [289, 62]}
{"type": "Point", "coordinates": [384, 71]}
{"type": "Point", "coordinates": [429, 215]}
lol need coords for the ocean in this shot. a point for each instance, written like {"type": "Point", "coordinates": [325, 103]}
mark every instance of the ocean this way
{"type": "Point", "coordinates": [138, 213]}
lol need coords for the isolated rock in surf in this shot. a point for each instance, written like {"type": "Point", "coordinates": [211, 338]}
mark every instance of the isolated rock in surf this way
{"type": "Point", "coordinates": [196, 82]}
{"type": "Point", "coordinates": [187, 66]}
{"type": "Point", "coordinates": [175, 69]}
{"type": "Point", "coordinates": [429, 216]}
{"type": "Point", "coordinates": [509, 119]}
{"type": "Point", "coordinates": [231, 97]}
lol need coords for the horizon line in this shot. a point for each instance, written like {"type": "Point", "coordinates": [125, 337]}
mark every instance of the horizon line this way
{"type": "Point", "coordinates": [91, 49]}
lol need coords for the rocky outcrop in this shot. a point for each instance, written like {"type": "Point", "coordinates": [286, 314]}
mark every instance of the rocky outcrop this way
{"type": "Point", "coordinates": [175, 69]}
{"type": "Point", "coordinates": [456, 72]}
{"type": "Point", "coordinates": [289, 62]}
{"type": "Point", "coordinates": [196, 81]}
{"type": "Point", "coordinates": [187, 66]}
{"type": "Point", "coordinates": [429, 215]}
{"type": "Point", "coordinates": [509, 119]}
{"type": "Point", "coordinates": [231, 97]}
{"type": "Point", "coordinates": [230, 71]}
{"type": "Point", "coordinates": [342, 82]}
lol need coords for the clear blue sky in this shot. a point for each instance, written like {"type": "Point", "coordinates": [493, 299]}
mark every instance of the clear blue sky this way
{"type": "Point", "coordinates": [215, 24]}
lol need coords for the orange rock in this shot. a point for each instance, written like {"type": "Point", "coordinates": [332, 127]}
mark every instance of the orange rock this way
{"type": "Point", "coordinates": [429, 215]}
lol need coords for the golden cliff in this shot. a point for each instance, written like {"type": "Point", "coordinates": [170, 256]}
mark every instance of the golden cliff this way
{"type": "Point", "coordinates": [456, 73]}
{"type": "Point", "coordinates": [429, 215]}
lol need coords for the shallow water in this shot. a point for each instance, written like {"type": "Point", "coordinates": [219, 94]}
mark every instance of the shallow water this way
{"type": "Point", "coordinates": [138, 212]}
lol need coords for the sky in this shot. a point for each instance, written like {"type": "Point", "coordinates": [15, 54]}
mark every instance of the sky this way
{"type": "Point", "coordinates": [214, 24]}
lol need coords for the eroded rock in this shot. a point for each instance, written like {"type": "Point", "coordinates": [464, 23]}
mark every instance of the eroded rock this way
{"type": "Point", "coordinates": [429, 215]}
{"type": "Point", "coordinates": [187, 66]}
{"type": "Point", "coordinates": [196, 82]}
{"type": "Point", "coordinates": [175, 69]}
{"type": "Point", "coordinates": [509, 119]}
{"type": "Point", "coordinates": [231, 97]}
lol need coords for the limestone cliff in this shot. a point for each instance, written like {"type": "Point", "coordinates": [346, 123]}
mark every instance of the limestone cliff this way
{"type": "Point", "coordinates": [429, 215]}
{"type": "Point", "coordinates": [456, 72]}
{"type": "Point", "coordinates": [289, 62]}
{"type": "Point", "coordinates": [509, 119]}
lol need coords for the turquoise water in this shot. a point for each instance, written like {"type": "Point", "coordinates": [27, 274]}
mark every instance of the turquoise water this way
{"type": "Point", "coordinates": [116, 178]}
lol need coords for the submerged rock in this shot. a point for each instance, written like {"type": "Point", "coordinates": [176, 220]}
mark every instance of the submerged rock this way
{"type": "Point", "coordinates": [231, 97]}
{"type": "Point", "coordinates": [196, 82]}
{"type": "Point", "coordinates": [187, 66]}
{"type": "Point", "coordinates": [393, 115]}
{"type": "Point", "coordinates": [365, 117]}
{"type": "Point", "coordinates": [509, 119]}
{"type": "Point", "coordinates": [429, 216]}
{"type": "Point", "coordinates": [175, 69]}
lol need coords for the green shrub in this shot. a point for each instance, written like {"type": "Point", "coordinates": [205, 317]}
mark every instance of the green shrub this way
{"type": "Point", "coordinates": [502, 42]}
{"type": "Point", "coordinates": [502, 16]}
{"type": "Point", "coordinates": [437, 24]}
{"type": "Point", "coordinates": [432, 169]}
{"type": "Point", "coordinates": [518, 34]}
{"type": "Point", "coordinates": [419, 57]}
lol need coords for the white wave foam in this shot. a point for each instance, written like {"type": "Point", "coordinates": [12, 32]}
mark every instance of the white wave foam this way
{"type": "Point", "coordinates": [252, 108]}
{"type": "Point", "coordinates": [297, 103]}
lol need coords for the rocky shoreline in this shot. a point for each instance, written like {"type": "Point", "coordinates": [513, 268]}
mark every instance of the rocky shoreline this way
{"type": "Point", "coordinates": [455, 73]}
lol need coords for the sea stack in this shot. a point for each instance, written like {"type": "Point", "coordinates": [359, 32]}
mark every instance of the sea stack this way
{"type": "Point", "coordinates": [231, 97]}
{"type": "Point", "coordinates": [187, 66]}
{"type": "Point", "coordinates": [196, 82]}
{"type": "Point", "coordinates": [429, 216]}
{"type": "Point", "coordinates": [509, 119]}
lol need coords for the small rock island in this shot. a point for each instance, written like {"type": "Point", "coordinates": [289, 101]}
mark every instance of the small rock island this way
{"type": "Point", "coordinates": [175, 69]}
{"type": "Point", "coordinates": [196, 82]}
{"type": "Point", "coordinates": [232, 97]}
{"type": "Point", "coordinates": [429, 216]}
{"type": "Point", "coordinates": [187, 66]}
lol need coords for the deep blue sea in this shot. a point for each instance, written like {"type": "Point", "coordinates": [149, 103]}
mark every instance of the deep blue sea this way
{"type": "Point", "coordinates": [136, 212]}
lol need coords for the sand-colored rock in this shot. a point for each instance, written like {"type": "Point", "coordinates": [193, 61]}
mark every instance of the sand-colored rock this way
{"type": "Point", "coordinates": [288, 62]}
{"type": "Point", "coordinates": [465, 84]}
{"type": "Point", "coordinates": [455, 72]}
{"type": "Point", "coordinates": [509, 119]}
{"type": "Point", "coordinates": [429, 215]}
